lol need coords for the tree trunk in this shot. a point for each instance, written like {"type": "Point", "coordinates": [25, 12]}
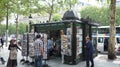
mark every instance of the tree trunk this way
{"type": "Point", "coordinates": [51, 12]}
{"type": "Point", "coordinates": [17, 29]}
{"type": "Point", "coordinates": [50, 15]}
{"type": "Point", "coordinates": [0, 29]}
{"type": "Point", "coordinates": [111, 46]}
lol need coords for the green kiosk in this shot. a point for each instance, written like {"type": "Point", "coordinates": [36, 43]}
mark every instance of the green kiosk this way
{"type": "Point", "coordinates": [72, 32]}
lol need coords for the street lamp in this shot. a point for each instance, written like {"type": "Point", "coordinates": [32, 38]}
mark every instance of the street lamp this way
{"type": "Point", "coordinates": [30, 17]}
{"type": "Point", "coordinates": [28, 30]}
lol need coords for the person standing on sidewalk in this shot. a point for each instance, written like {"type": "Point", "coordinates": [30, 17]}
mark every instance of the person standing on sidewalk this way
{"type": "Point", "coordinates": [2, 60]}
{"type": "Point", "coordinates": [12, 60]}
{"type": "Point", "coordinates": [38, 51]}
{"type": "Point", "coordinates": [89, 52]}
{"type": "Point", "coordinates": [49, 47]}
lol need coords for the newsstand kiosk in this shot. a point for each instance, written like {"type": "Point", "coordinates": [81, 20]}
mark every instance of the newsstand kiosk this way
{"type": "Point", "coordinates": [73, 37]}
{"type": "Point", "coordinates": [73, 32]}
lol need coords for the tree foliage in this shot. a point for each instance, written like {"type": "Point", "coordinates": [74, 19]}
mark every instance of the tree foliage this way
{"type": "Point", "coordinates": [67, 4]}
{"type": "Point", "coordinates": [56, 17]}
{"type": "Point", "coordinates": [100, 15]}
{"type": "Point", "coordinates": [27, 7]}
{"type": "Point", "coordinates": [21, 28]}
{"type": "Point", "coordinates": [2, 29]}
{"type": "Point", "coordinates": [3, 6]}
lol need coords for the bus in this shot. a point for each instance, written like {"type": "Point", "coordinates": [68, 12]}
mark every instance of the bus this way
{"type": "Point", "coordinates": [103, 35]}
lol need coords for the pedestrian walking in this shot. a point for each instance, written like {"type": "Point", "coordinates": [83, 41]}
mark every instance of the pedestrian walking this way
{"type": "Point", "coordinates": [12, 60]}
{"type": "Point", "coordinates": [2, 42]}
{"type": "Point", "coordinates": [89, 52]}
{"type": "Point", "coordinates": [38, 51]}
{"type": "Point", "coordinates": [2, 60]}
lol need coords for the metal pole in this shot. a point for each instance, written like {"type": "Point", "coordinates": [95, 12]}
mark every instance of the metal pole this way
{"type": "Point", "coordinates": [30, 22]}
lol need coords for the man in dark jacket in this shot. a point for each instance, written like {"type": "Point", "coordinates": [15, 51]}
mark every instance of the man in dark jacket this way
{"type": "Point", "coordinates": [89, 52]}
{"type": "Point", "coordinates": [2, 42]}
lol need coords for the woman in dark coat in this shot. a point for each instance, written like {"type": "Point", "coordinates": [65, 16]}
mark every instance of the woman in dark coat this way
{"type": "Point", "coordinates": [12, 60]}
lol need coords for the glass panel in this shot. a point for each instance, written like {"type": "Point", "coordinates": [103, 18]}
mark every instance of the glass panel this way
{"type": "Point", "coordinates": [100, 39]}
{"type": "Point", "coordinates": [118, 30]}
{"type": "Point", "coordinates": [118, 40]}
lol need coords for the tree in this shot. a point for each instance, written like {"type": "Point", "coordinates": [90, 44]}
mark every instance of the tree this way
{"type": "Point", "coordinates": [2, 9]}
{"type": "Point", "coordinates": [22, 28]}
{"type": "Point", "coordinates": [70, 3]}
{"type": "Point", "coordinates": [111, 46]}
{"type": "Point", "coordinates": [3, 5]}
{"type": "Point", "coordinates": [56, 17]}
{"type": "Point", "coordinates": [49, 7]}
{"type": "Point", "coordinates": [12, 28]}
{"type": "Point", "coordinates": [2, 28]}
{"type": "Point", "coordinates": [21, 7]}
{"type": "Point", "coordinates": [97, 14]}
{"type": "Point", "coordinates": [56, 6]}
{"type": "Point", "coordinates": [100, 15]}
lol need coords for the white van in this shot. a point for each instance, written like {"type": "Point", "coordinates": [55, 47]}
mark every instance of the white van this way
{"type": "Point", "coordinates": [103, 42]}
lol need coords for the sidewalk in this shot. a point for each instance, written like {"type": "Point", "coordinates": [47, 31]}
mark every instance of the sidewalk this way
{"type": "Point", "coordinates": [100, 61]}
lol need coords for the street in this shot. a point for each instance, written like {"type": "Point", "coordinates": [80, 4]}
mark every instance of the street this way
{"type": "Point", "coordinates": [100, 61]}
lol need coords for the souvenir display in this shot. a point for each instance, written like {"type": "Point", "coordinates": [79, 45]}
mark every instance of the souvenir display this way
{"type": "Point", "coordinates": [25, 41]}
{"type": "Point", "coordinates": [31, 45]}
{"type": "Point", "coordinates": [24, 45]}
{"type": "Point", "coordinates": [31, 50]}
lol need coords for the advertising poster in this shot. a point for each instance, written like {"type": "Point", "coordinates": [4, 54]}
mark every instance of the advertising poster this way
{"type": "Point", "coordinates": [24, 45]}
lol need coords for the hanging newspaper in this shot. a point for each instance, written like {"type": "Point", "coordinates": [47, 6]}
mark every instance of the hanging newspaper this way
{"type": "Point", "coordinates": [31, 45]}
{"type": "Point", "coordinates": [24, 45]}
{"type": "Point", "coordinates": [45, 46]}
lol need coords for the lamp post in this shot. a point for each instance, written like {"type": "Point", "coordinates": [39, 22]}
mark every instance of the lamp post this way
{"type": "Point", "coordinates": [28, 29]}
{"type": "Point", "coordinates": [30, 17]}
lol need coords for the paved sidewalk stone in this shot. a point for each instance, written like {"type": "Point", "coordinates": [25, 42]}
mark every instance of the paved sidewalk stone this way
{"type": "Point", "coordinates": [100, 61]}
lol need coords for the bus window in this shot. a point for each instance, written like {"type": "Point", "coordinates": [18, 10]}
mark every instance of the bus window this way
{"type": "Point", "coordinates": [100, 39]}
{"type": "Point", "coordinates": [118, 40]}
